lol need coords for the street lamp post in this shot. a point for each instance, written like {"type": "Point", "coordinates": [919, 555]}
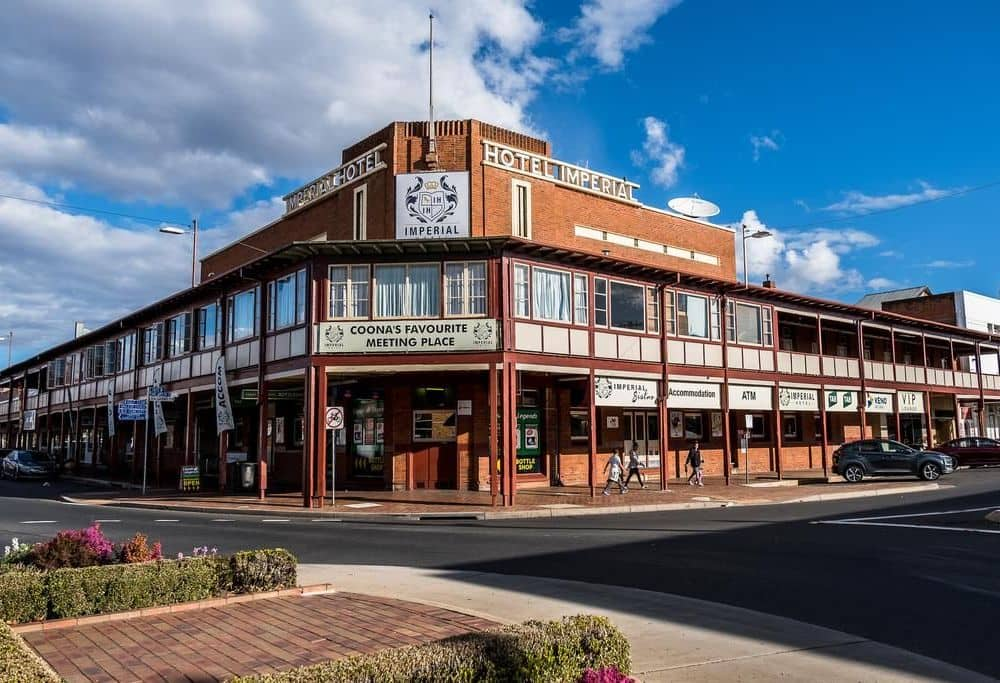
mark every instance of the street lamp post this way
{"type": "Point", "coordinates": [756, 235]}
{"type": "Point", "coordinates": [169, 230]}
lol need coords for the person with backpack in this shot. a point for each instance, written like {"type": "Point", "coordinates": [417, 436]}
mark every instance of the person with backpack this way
{"type": "Point", "coordinates": [614, 469]}
{"type": "Point", "coordinates": [634, 466]}
{"type": "Point", "coordinates": [694, 460]}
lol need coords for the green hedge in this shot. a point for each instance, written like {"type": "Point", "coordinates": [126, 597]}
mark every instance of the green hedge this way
{"type": "Point", "coordinates": [30, 595]}
{"type": "Point", "coordinates": [22, 596]}
{"type": "Point", "coordinates": [556, 652]}
{"type": "Point", "coordinates": [18, 663]}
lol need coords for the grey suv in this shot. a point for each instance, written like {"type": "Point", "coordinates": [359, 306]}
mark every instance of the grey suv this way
{"type": "Point", "coordinates": [858, 459]}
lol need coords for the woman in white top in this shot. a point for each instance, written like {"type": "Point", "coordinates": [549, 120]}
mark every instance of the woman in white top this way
{"type": "Point", "coordinates": [614, 469]}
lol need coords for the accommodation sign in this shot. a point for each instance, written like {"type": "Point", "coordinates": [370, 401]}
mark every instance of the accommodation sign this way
{"type": "Point", "coordinates": [792, 399]}
{"type": "Point", "coordinates": [408, 336]}
{"type": "Point", "coordinates": [559, 172]}
{"type": "Point", "coordinates": [432, 205]}
{"type": "Point", "coordinates": [694, 395]}
{"type": "Point", "coordinates": [355, 169]}
{"type": "Point", "coordinates": [625, 392]}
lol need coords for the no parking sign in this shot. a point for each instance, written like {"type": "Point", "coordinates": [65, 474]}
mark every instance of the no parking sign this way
{"type": "Point", "coordinates": [335, 417]}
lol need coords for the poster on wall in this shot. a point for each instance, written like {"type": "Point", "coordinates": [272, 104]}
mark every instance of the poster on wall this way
{"type": "Point", "coordinates": [359, 431]}
{"type": "Point", "coordinates": [369, 431]}
{"type": "Point", "coordinates": [676, 425]}
{"type": "Point", "coordinates": [432, 205]}
{"type": "Point", "coordinates": [380, 432]}
{"type": "Point", "coordinates": [716, 424]}
{"type": "Point", "coordinates": [529, 448]}
{"type": "Point", "coordinates": [279, 430]}
{"type": "Point", "coordinates": [434, 425]}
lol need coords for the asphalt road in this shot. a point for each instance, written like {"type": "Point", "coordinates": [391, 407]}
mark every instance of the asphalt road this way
{"type": "Point", "coordinates": [916, 571]}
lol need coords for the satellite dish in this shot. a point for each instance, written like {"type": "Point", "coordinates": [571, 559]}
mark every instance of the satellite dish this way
{"type": "Point", "coordinates": [695, 207]}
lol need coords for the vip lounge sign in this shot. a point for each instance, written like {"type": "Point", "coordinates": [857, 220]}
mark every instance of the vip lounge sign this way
{"type": "Point", "coordinates": [877, 402]}
{"type": "Point", "coordinates": [792, 399]}
{"type": "Point", "coordinates": [910, 401]}
{"type": "Point", "coordinates": [432, 205]}
{"type": "Point", "coordinates": [625, 392]}
{"type": "Point", "coordinates": [749, 397]}
{"type": "Point", "coordinates": [694, 395]}
{"type": "Point", "coordinates": [409, 336]}
{"type": "Point", "coordinates": [841, 401]}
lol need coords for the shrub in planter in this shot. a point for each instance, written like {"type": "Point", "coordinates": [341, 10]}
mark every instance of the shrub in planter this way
{"type": "Point", "coordinates": [22, 596]}
{"type": "Point", "coordinates": [18, 663]}
{"type": "Point", "coordinates": [254, 571]}
{"type": "Point", "coordinates": [77, 548]}
{"type": "Point", "coordinates": [137, 549]}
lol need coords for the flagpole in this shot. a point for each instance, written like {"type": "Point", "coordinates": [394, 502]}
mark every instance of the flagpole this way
{"type": "Point", "coordinates": [432, 141]}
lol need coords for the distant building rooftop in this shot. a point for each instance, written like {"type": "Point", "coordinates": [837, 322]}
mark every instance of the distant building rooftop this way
{"type": "Point", "coordinates": [876, 299]}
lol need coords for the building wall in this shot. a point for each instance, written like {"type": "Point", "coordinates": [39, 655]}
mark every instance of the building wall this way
{"type": "Point", "coordinates": [937, 307]}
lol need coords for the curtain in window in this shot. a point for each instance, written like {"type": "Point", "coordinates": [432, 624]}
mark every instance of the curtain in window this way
{"type": "Point", "coordinates": [359, 291]}
{"type": "Point", "coordinates": [454, 280]}
{"type": "Point", "coordinates": [390, 284]}
{"type": "Point", "coordinates": [477, 288]}
{"type": "Point", "coordinates": [521, 291]}
{"type": "Point", "coordinates": [425, 291]}
{"type": "Point", "coordinates": [338, 292]}
{"type": "Point", "coordinates": [552, 298]}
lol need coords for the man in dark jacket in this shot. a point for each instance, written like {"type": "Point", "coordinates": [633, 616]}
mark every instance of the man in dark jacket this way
{"type": "Point", "coordinates": [694, 460]}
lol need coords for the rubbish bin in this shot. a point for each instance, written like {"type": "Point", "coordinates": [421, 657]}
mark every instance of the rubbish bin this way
{"type": "Point", "coordinates": [247, 474]}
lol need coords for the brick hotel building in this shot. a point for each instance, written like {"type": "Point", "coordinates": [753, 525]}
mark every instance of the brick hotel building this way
{"type": "Point", "coordinates": [489, 318]}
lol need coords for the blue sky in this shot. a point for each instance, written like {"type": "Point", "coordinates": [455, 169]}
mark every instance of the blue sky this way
{"type": "Point", "coordinates": [802, 117]}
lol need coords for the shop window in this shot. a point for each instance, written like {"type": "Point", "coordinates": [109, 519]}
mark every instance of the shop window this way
{"type": "Point", "coordinates": [652, 310]}
{"type": "Point", "coordinates": [692, 316]}
{"type": "Point", "coordinates": [579, 425]}
{"type": "Point", "coordinates": [152, 344]}
{"type": "Point", "coordinates": [429, 398]}
{"type": "Point", "coordinates": [627, 306]}
{"type": "Point", "coordinates": [521, 290]}
{"type": "Point", "coordinates": [179, 335]}
{"type": "Point", "coordinates": [528, 398]}
{"type": "Point", "coordinates": [286, 299]}
{"type": "Point", "coordinates": [367, 437]}
{"type": "Point", "coordinates": [361, 213]}
{"type": "Point", "coordinates": [521, 209]}
{"type": "Point", "coordinates": [409, 290]}
{"type": "Point", "coordinates": [550, 294]}
{"type": "Point", "coordinates": [209, 327]}
{"type": "Point", "coordinates": [580, 299]}
{"type": "Point", "coordinates": [686, 425]}
{"type": "Point", "coordinates": [600, 301]}
{"type": "Point", "coordinates": [759, 429]}
{"type": "Point", "coordinates": [465, 288]}
{"type": "Point", "coordinates": [434, 425]}
{"type": "Point", "coordinates": [297, 432]}
{"type": "Point", "coordinates": [349, 291]}
{"type": "Point", "coordinates": [243, 318]}
{"type": "Point", "coordinates": [790, 427]}
{"type": "Point", "coordinates": [745, 323]}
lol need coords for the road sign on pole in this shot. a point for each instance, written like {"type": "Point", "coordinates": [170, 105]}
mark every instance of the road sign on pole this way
{"type": "Point", "coordinates": [335, 417]}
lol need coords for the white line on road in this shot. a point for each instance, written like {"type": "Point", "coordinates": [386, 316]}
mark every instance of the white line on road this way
{"type": "Point", "coordinates": [907, 526]}
{"type": "Point", "coordinates": [40, 521]}
{"type": "Point", "coordinates": [165, 520]}
{"type": "Point", "coordinates": [273, 520]}
{"type": "Point", "coordinates": [223, 520]}
{"type": "Point", "coordinates": [918, 514]}
{"type": "Point", "coordinates": [321, 519]}
{"type": "Point", "coordinates": [108, 521]}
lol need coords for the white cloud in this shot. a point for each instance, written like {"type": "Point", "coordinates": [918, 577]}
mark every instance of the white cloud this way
{"type": "Point", "coordinates": [890, 253]}
{"type": "Point", "coordinates": [882, 283]}
{"type": "Point", "coordinates": [665, 156]}
{"type": "Point", "coordinates": [193, 103]}
{"type": "Point", "coordinates": [858, 202]}
{"type": "Point", "coordinates": [606, 29]}
{"type": "Point", "coordinates": [807, 262]}
{"type": "Point", "coordinates": [945, 263]}
{"type": "Point", "coordinates": [766, 142]}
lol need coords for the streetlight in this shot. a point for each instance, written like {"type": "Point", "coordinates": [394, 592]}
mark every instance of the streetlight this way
{"type": "Point", "coordinates": [748, 234]}
{"type": "Point", "coordinates": [194, 243]}
{"type": "Point", "coordinates": [10, 345]}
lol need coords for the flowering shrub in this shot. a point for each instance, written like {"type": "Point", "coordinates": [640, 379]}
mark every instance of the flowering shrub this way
{"type": "Point", "coordinates": [137, 549]}
{"type": "Point", "coordinates": [76, 548]}
{"type": "Point", "coordinates": [608, 674]}
{"type": "Point", "coordinates": [15, 553]}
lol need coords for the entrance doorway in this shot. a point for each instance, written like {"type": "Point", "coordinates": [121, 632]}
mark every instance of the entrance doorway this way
{"type": "Point", "coordinates": [434, 466]}
{"type": "Point", "coordinates": [643, 428]}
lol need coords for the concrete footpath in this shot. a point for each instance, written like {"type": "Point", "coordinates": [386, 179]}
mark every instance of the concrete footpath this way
{"type": "Point", "coordinates": [673, 638]}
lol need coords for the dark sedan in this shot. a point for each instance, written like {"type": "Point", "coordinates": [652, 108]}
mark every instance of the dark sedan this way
{"type": "Point", "coordinates": [27, 464]}
{"type": "Point", "coordinates": [972, 451]}
{"type": "Point", "coordinates": [858, 459]}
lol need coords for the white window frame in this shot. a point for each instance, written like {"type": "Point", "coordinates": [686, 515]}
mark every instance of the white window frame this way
{"type": "Point", "coordinates": [200, 326]}
{"type": "Point", "coordinates": [231, 319]}
{"type": "Point", "coordinates": [170, 327]}
{"type": "Point", "coordinates": [710, 325]}
{"type": "Point", "coordinates": [627, 283]}
{"type": "Point", "coordinates": [349, 294]}
{"type": "Point", "coordinates": [531, 294]}
{"type": "Point", "coordinates": [515, 214]}
{"type": "Point", "coordinates": [360, 217]}
{"type": "Point", "coordinates": [654, 311]}
{"type": "Point", "coordinates": [734, 333]}
{"type": "Point", "coordinates": [466, 290]}
{"type": "Point", "coordinates": [581, 315]}
{"type": "Point", "coordinates": [606, 308]}
{"type": "Point", "coordinates": [407, 314]}
{"type": "Point", "coordinates": [522, 269]}
{"type": "Point", "coordinates": [299, 312]}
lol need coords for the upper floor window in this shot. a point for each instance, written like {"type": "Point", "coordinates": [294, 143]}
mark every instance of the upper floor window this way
{"type": "Point", "coordinates": [581, 302]}
{"type": "Point", "coordinates": [408, 290]}
{"type": "Point", "coordinates": [349, 291]}
{"type": "Point", "coordinates": [652, 310]}
{"type": "Point", "coordinates": [126, 352]}
{"type": "Point", "coordinates": [521, 208]}
{"type": "Point", "coordinates": [110, 357]}
{"type": "Point", "coordinates": [627, 306]}
{"type": "Point", "coordinates": [93, 364]}
{"type": "Point", "coordinates": [748, 323]}
{"type": "Point", "coordinates": [361, 213]}
{"type": "Point", "coordinates": [209, 327]}
{"type": "Point", "coordinates": [178, 335]}
{"type": "Point", "coordinates": [243, 318]}
{"type": "Point", "coordinates": [152, 344]}
{"type": "Point", "coordinates": [287, 300]}
{"type": "Point", "coordinates": [465, 288]}
{"type": "Point", "coordinates": [522, 290]}
{"type": "Point", "coordinates": [691, 315]}
{"type": "Point", "coordinates": [551, 295]}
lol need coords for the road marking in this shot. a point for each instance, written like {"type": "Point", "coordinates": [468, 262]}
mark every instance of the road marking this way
{"type": "Point", "coordinates": [165, 520]}
{"type": "Point", "coordinates": [108, 521]}
{"type": "Point", "coordinates": [907, 526]}
{"type": "Point", "coordinates": [223, 520]}
{"type": "Point", "coordinates": [273, 520]}
{"type": "Point", "coordinates": [41, 521]}
{"type": "Point", "coordinates": [919, 514]}
{"type": "Point", "coordinates": [321, 519]}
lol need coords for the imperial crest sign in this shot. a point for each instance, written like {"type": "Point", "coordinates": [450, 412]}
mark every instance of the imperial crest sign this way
{"type": "Point", "coordinates": [432, 205]}
{"type": "Point", "coordinates": [408, 336]}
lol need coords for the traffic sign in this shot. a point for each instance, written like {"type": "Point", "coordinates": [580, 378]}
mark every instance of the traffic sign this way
{"type": "Point", "coordinates": [131, 410]}
{"type": "Point", "coordinates": [335, 417]}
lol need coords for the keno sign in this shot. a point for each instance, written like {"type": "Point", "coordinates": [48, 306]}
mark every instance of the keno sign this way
{"type": "Point", "coordinates": [432, 205]}
{"type": "Point", "coordinates": [625, 392]}
{"type": "Point", "coordinates": [877, 402]}
{"type": "Point", "coordinates": [408, 336]}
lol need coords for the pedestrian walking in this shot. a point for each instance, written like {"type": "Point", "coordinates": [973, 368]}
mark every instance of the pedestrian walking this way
{"type": "Point", "coordinates": [614, 469]}
{"type": "Point", "coordinates": [694, 460]}
{"type": "Point", "coordinates": [634, 466]}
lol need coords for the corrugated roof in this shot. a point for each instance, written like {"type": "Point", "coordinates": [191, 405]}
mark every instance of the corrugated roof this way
{"type": "Point", "coordinates": [875, 300]}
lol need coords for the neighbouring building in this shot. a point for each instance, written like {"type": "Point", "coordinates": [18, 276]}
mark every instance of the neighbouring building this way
{"type": "Point", "coordinates": [487, 317]}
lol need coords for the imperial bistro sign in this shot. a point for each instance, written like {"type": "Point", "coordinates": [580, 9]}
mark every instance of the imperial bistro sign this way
{"type": "Point", "coordinates": [501, 156]}
{"type": "Point", "coordinates": [355, 169]}
{"type": "Point", "coordinates": [408, 336]}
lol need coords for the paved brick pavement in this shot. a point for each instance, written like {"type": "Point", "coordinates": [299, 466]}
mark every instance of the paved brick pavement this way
{"type": "Point", "coordinates": [253, 637]}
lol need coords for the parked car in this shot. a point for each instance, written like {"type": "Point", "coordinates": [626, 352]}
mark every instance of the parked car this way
{"type": "Point", "coordinates": [972, 451]}
{"type": "Point", "coordinates": [21, 464]}
{"type": "Point", "coordinates": [856, 460]}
